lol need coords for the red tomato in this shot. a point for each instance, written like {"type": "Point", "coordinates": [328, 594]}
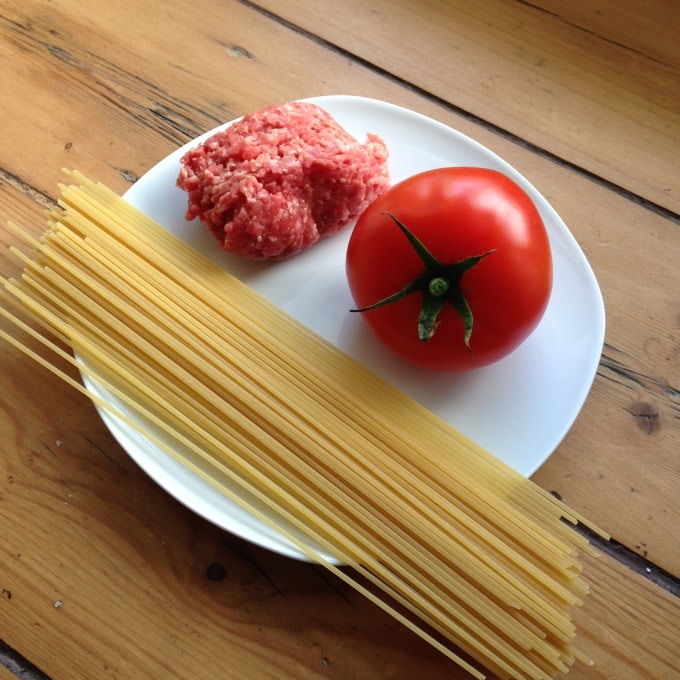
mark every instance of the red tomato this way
{"type": "Point", "coordinates": [481, 234]}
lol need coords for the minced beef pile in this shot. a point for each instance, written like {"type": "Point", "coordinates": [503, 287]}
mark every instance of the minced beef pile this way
{"type": "Point", "coordinates": [280, 179]}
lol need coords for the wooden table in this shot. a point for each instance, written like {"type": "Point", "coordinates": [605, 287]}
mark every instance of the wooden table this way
{"type": "Point", "coordinates": [102, 574]}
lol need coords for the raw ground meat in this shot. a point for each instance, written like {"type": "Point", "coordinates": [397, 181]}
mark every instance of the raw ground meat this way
{"type": "Point", "coordinates": [280, 179]}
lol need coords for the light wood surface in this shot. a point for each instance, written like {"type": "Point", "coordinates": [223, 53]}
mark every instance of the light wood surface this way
{"type": "Point", "coordinates": [6, 673]}
{"type": "Point", "coordinates": [588, 82]}
{"type": "Point", "coordinates": [107, 573]}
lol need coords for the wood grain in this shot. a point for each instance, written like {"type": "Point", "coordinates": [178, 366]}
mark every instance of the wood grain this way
{"type": "Point", "coordinates": [592, 83]}
{"type": "Point", "coordinates": [110, 88]}
{"type": "Point", "coordinates": [623, 625]}
{"type": "Point", "coordinates": [6, 673]}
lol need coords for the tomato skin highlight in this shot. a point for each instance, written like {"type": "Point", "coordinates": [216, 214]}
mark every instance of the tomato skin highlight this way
{"type": "Point", "coordinates": [457, 213]}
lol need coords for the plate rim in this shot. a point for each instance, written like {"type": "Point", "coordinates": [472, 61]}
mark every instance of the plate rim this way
{"type": "Point", "coordinates": [269, 540]}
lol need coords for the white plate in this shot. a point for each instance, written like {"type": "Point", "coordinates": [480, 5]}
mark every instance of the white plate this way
{"type": "Point", "coordinates": [519, 408]}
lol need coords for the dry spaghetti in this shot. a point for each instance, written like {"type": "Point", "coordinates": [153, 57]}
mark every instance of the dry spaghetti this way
{"type": "Point", "coordinates": [463, 550]}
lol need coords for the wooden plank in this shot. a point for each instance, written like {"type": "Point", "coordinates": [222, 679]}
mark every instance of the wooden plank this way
{"type": "Point", "coordinates": [12, 666]}
{"type": "Point", "coordinates": [593, 83]}
{"type": "Point", "coordinates": [5, 673]}
{"type": "Point", "coordinates": [623, 625]}
{"type": "Point", "coordinates": [648, 27]}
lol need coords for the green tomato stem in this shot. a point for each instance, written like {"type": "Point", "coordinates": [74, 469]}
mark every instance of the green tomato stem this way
{"type": "Point", "coordinates": [438, 284]}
